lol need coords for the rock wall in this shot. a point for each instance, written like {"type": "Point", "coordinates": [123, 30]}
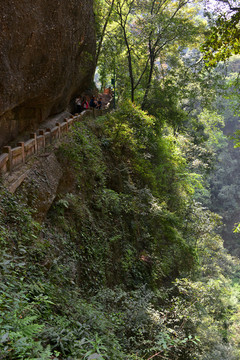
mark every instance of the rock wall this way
{"type": "Point", "coordinates": [47, 56]}
{"type": "Point", "coordinates": [41, 183]}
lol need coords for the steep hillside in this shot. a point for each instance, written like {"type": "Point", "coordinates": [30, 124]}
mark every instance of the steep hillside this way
{"type": "Point", "coordinates": [125, 265]}
{"type": "Point", "coordinates": [47, 55]}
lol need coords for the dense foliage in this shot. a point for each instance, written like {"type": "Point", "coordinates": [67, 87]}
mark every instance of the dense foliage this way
{"type": "Point", "coordinates": [223, 37]}
{"type": "Point", "coordinates": [221, 192]}
{"type": "Point", "coordinates": [127, 265]}
{"type": "Point", "coordinates": [143, 40]}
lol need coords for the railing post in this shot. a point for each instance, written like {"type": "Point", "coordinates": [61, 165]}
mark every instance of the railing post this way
{"type": "Point", "coordinates": [66, 121]}
{"type": "Point", "coordinates": [21, 144]}
{"type": "Point", "coordinates": [48, 130]}
{"type": "Point", "coordinates": [8, 150]}
{"type": "Point", "coordinates": [59, 129]}
{"type": "Point", "coordinates": [34, 136]}
{"type": "Point", "coordinates": [42, 133]}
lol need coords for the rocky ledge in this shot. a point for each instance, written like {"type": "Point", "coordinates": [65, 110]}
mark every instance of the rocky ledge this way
{"type": "Point", "coordinates": [47, 56]}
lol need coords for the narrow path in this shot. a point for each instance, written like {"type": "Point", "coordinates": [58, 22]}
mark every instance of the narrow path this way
{"type": "Point", "coordinates": [16, 159]}
{"type": "Point", "coordinates": [50, 122]}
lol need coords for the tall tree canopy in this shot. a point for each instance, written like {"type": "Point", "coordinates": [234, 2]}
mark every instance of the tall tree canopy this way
{"type": "Point", "coordinates": [223, 39]}
{"type": "Point", "coordinates": [140, 38]}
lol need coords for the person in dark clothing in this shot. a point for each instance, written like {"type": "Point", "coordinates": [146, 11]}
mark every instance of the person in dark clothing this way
{"type": "Point", "coordinates": [93, 103]}
{"type": "Point", "coordinates": [99, 103]}
{"type": "Point", "coordinates": [78, 103]}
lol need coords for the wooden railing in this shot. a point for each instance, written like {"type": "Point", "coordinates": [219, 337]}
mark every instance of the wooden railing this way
{"type": "Point", "coordinates": [14, 158]}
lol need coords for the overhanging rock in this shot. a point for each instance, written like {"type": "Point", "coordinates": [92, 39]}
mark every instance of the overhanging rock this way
{"type": "Point", "coordinates": [47, 56]}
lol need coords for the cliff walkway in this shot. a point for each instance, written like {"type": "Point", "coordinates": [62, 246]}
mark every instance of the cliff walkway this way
{"type": "Point", "coordinates": [16, 161]}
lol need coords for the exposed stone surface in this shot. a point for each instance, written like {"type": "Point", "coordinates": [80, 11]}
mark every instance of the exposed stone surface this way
{"type": "Point", "coordinates": [41, 183]}
{"type": "Point", "coordinates": [47, 50]}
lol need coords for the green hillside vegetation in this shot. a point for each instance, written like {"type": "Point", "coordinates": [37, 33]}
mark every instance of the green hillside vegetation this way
{"type": "Point", "coordinates": [221, 192]}
{"type": "Point", "coordinates": [127, 265]}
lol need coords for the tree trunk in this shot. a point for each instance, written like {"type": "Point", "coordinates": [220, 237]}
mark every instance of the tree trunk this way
{"type": "Point", "coordinates": [130, 69]}
{"type": "Point", "coordinates": [99, 48]}
{"type": "Point", "coordinates": [152, 61]}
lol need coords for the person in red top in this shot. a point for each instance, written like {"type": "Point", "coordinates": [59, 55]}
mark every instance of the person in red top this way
{"type": "Point", "coordinates": [84, 104]}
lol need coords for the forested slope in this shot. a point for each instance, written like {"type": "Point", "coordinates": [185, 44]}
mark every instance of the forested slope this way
{"type": "Point", "coordinates": [223, 187]}
{"type": "Point", "coordinates": [128, 262]}
{"type": "Point", "coordinates": [126, 265]}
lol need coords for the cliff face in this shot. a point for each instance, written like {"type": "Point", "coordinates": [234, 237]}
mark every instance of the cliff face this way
{"type": "Point", "coordinates": [47, 51]}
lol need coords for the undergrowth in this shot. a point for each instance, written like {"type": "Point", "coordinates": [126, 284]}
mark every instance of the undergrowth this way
{"type": "Point", "coordinates": [126, 265]}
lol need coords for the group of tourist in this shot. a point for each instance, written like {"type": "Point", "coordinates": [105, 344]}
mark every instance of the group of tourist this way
{"type": "Point", "coordinates": [82, 103]}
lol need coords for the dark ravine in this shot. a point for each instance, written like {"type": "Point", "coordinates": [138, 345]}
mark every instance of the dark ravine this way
{"type": "Point", "coordinates": [47, 56]}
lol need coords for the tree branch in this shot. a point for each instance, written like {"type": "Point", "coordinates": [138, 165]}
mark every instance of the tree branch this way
{"type": "Point", "coordinates": [103, 31]}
